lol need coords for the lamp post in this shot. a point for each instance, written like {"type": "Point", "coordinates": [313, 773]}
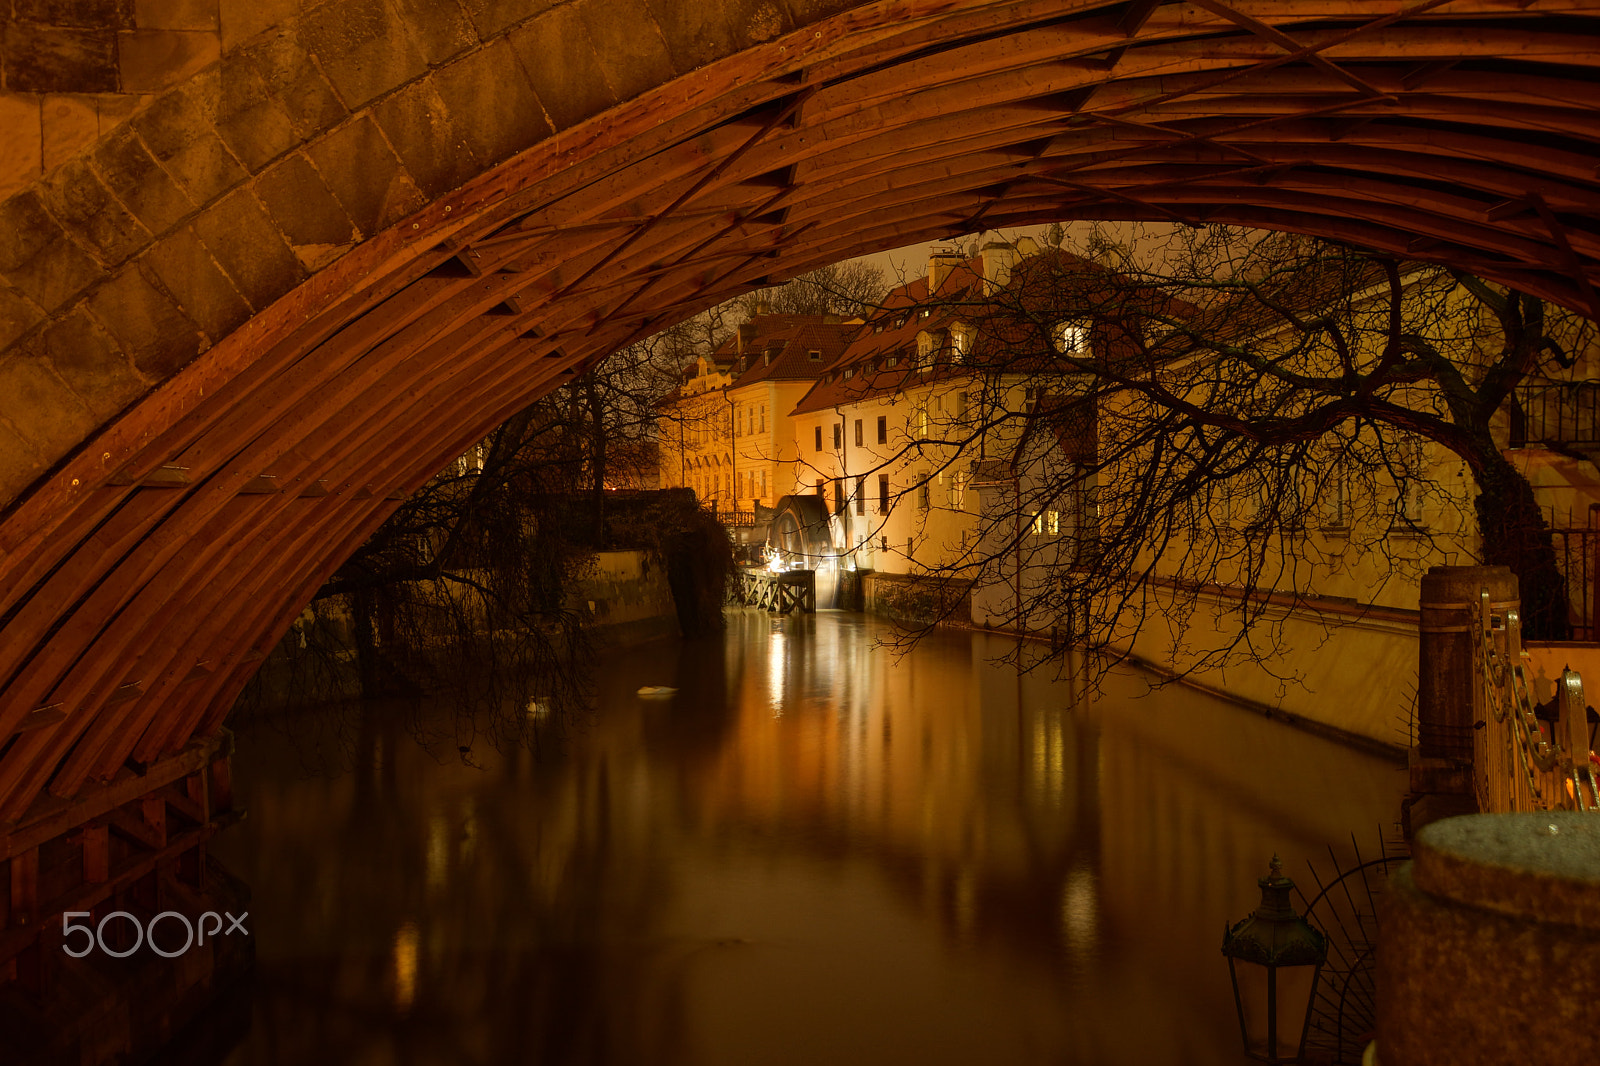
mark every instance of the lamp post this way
{"type": "Point", "coordinates": [1274, 958]}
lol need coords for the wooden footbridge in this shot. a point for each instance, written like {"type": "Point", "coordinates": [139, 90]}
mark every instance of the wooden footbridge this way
{"type": "Point", "coordinates": [779, 591]}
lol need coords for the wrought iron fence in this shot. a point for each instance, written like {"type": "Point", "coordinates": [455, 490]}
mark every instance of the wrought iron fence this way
{"type": "Point", "coordinates": [1578, 556]}
{"type": "Point", "coordinates": [1564, 413]}
{"type": "Point", "coordinates": [1524, 762]}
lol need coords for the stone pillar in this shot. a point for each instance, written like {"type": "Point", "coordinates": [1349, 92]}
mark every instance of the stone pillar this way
{"type": "Point", "coordinates": [1488, 937]}
{"type": "Point", "coordinates": [1447, 696]}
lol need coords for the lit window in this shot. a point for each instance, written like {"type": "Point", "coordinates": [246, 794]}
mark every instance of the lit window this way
{"type": "Point", "coordinates": [1072, 336]}
{"type": "Point", "coordinates": [1038, 523]}
{"type": "Point", "coordinates": [1052, 523]}
{"type": "Point", "coordinates": [956, 490]}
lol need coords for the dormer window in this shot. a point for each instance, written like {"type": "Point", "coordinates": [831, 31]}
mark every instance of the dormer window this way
{"type": "Point", "coordinates": [815, 355]}
{"type": "Point", "coordinates": [877, 327]}
{"type": "Point", "coordinates": [848, 374]}
{"type": "Point", "coordinates": [925, 312]}
{"type": "Point", "coordinates": [960, 342]}
{"type": "Point", "coordinates": [899, 321]}
{"type": "Point", "coordinates": [1071, 337]}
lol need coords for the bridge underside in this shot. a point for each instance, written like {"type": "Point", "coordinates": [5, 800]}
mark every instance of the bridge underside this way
{"type": "Point", "coordinates": [242, 326]}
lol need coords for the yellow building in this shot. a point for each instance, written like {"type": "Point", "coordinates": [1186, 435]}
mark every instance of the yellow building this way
{"type": "Point", "coordinates": [891, 434]}
{"type": "Point", "coordinates": [695, 432]}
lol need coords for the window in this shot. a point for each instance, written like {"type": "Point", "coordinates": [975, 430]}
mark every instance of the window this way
{"type": "Point", "coordinates": [1409, 496]}
{"type": "Point", "coordinates": [861, 495]}
{"type": "Point", "coordinates": [859, 438]}
{"type": "Point", "coordinates": [922, 498]}
{"type": "Point", "coordinates": [763, 418]}
{"type": "Point", "coordinates": [922, 423]}
{"type": "Point", "coordinates": [960, 343]}
{"type": "Point", "coordinates": [1037, 523]}
{"type": "Point", "coordinates": [883, 495]}
{"type": "Point", "coordinates": [821, 493]}
{"type": "Point", "coordinates": [961, 404]}
{"type": "Point", "coordinates": [883, 429]}
{"type": "Point", "coordinates": [925, 312]}
{"type": "Point", "coordinates": [1072, 336]}
{"type": "Point", "coordinates": [1335, 503]}
{"type": "Point", "coordinates": [1052, 523]}
{"type": "Point", "coordinates": [819, 439]}
{"type": "Point", "coordinates": [815, 355]}
{"type": "Point", "coordinates": [925, 346]}
{"type": "Point", "coordinates": [838, 495]}
{"type": "Point", "coordinates": [877, 327]}
{"type": "Point", "coordinates": [958, 490]}
{"type": "Point", "coordinates": [838, 436]}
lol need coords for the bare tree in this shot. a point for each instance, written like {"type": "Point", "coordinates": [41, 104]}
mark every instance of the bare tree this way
{"type": "Point", "coordinates": [468, 588]}
{"type": "Point", "coordinates": [1262, 413]}
{"type": "Point", "coordinates": [848, 288]}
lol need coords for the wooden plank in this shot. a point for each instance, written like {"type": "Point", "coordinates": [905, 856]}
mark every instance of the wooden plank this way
{"type": "Point", "coordinates": [24, 868]}
{"type": "Point", "coordinates": [89, 896]}
{"type": "Point", "coordinates": [51, 817]}
{"type": "Point", "coordinates": [96, 853]}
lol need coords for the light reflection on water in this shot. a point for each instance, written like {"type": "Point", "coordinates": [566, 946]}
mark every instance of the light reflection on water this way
{"type": "Point", "coordinates": [814, 852]}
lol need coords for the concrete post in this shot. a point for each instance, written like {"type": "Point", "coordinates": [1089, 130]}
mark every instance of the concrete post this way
{"type": "Point", "coordinates": [1448, 700]}
{"type": "Point", "coordinates": [1488, 935]}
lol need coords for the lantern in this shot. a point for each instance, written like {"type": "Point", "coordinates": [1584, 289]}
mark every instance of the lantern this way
{"type": "Point", "coordinates": [1274, 958]}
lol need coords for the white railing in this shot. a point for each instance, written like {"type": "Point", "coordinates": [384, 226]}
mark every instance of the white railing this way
{"type": "Point", "coordinates": [1519, 767]}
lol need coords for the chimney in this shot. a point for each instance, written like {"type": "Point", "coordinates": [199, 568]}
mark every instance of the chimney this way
{"type": "Point", "coordinates": [747, 335]}
{"type": "Point", "coordinates": [999, 259]}
{"type": "Point", "coordinates": [940, 262]}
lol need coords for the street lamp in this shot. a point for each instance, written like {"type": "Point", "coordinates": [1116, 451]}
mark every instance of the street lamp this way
{"type": "Point", "coordinates": [1274, 958]}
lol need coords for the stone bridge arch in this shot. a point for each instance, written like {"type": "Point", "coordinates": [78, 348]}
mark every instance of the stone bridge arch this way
{"type": "Point", "coordinates": [328, 249]}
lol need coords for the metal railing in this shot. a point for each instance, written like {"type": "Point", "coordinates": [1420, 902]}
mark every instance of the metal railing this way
{"type": "Point", "coordinates": [1564, 413]}
{"type": "Point", "coordinates": [1517, 765]}
{"type": "Point", "coordinates": [1578, 557]}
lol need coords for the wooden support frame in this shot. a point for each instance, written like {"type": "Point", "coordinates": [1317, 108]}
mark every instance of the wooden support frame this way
{"type": "Point", "coordinates": [288, 441]}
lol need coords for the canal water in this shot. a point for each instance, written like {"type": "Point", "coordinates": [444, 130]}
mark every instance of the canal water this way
{"type": "Point", "coordinates": [816, 851]}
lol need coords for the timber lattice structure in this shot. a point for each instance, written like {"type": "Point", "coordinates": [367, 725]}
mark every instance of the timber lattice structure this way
{"type": "Point", "coordinates": [328, 250]}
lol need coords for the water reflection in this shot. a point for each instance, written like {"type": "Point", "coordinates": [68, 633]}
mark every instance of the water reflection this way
{"type": "Point", "coordinates": [813, 852]}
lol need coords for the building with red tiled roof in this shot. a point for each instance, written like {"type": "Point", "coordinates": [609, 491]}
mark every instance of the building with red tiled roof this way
{"type": "Point", "coordinates": [927, 389]}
